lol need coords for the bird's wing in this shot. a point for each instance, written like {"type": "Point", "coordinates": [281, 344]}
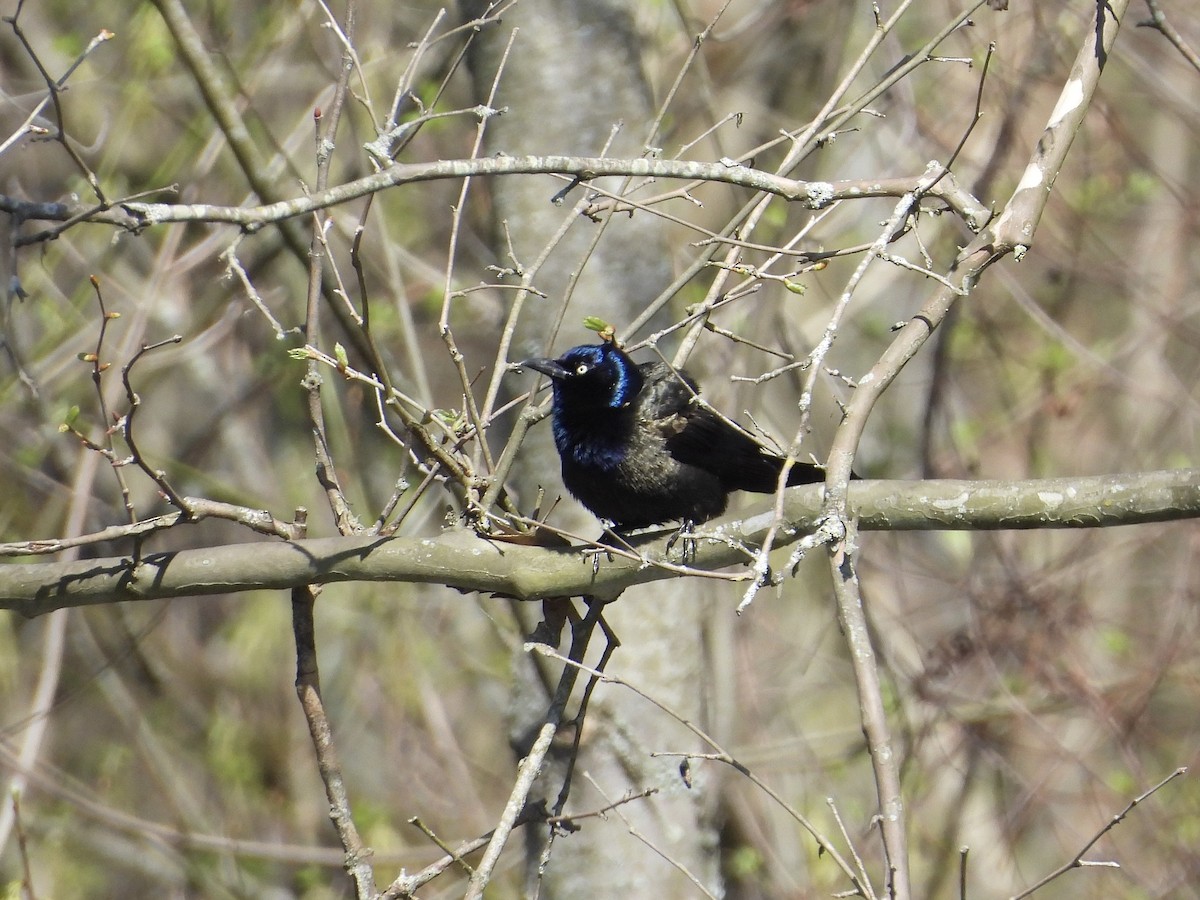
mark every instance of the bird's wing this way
{"type": "Point", "coordinates": [697, 436]}
{"type": "Point", "coordinates": [666, 391]}
{"type": "Point", "coordinates": [700, 437]}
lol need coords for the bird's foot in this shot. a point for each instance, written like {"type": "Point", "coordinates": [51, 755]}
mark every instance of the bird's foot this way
{"type": "Point", "coordinates": [686, 534]}
{"type": "Point", "coordinates": [608, 539]}
{"type": "Point", "coordinates": [595, 552]}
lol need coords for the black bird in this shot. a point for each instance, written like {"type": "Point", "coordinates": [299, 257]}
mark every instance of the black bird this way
{"type": "Point", "coordinates": [638, 450]}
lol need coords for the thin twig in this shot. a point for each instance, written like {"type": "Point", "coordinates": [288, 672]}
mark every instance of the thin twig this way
{"type": "Point", "coordinates": [858, 863]}
{"type": "Point", "coordinates": [1159, 22]}
{"type": "Point", "coordinates": [54, 88]}
{"type": "Point", "coordinates": [416, 822]}
{"type": "Point", "coordinates": [158, 476]}
{"type": "Point", "coordinates": [192, 509]}
{"type": "Point", "coordinates": [98, 369]}
{"type": "Point", "coordinates": [634, 832]}
{"type": "Point", "coordinates": [325, 133]}
{"type": "Point", "coordinates": [1077, 861]}
{"type": "Point", "coordinates": [444, 329]}
{"type": "Point", "coordinates": [27, 890]}
{"type": "Point", "coordinates": [27, 127]}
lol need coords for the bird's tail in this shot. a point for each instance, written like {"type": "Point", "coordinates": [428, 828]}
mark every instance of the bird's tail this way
{"type": "Point", "coordinates": [803, 473]}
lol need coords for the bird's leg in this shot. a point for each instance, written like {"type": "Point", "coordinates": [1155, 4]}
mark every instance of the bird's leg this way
{"type": "Point", "coordinates": [686, 533]}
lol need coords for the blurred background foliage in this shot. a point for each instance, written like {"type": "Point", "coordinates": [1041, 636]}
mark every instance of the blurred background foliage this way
{"type": "Point", "coordinates": [1040, 680]}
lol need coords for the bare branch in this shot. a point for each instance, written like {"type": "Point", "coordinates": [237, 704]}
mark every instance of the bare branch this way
{"type": "Point", "coordinates": [308, 690]}
{"type": "Point", "coordinates": [1023, 212]}
{"type": "Point", "coordinates": [1159, 22]}
{"type": "Point", "coordinates": [465, 560]}
{"type": "Point", "coordinates": [815, 194]}
{"type": "Point", "coordinates": [1078, 861]}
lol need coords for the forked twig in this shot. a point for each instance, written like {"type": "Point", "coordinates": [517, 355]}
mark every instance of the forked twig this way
{"type": "Point", "coordinates": [1159, 22]}
{"type": "Point", "coordinates": [1077, 861]}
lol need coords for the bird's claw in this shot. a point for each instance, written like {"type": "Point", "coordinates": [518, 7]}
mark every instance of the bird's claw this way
{"type": "Point", "coordinates": [686, 534]}
{"type": "Point", "coordinates": [595, 552]}
{"type": "Point", "coordinates": [603, 546]}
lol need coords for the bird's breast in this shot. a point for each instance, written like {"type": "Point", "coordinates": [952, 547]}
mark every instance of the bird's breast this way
{"type": "Point", "coordinates": [599, 441]}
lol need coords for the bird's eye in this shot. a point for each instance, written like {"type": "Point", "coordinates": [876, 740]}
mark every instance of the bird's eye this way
{"type": "Point", "coordinates": [581, 369]}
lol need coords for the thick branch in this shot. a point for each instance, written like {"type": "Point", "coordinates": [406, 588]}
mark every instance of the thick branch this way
{"type": "Point", "coordinates": [1011, 233]}
{"type": "Point", "coordinates": [461, 559]}
{"type": "Point", "coordinates": [1024, 210]}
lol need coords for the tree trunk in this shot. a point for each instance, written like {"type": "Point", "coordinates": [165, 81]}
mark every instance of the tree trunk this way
{"type": "Point", "coordinates": [573, 73]}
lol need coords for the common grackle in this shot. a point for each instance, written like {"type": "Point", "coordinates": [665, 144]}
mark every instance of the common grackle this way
{"type": "Point", "coordinates": [638, 450]}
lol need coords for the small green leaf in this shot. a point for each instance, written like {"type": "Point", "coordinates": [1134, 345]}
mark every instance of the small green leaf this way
{"type": "Point", "coordinates": [596, 324]}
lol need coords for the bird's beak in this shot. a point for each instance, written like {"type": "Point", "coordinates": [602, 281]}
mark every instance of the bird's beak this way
{"type": "Point", "coordinates": [551, 367]}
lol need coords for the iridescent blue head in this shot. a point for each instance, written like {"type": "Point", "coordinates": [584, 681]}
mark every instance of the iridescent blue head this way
{"type": "Point", "coordinates": [590, 378]}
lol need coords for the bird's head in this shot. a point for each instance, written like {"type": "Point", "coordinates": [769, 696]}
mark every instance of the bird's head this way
{"type": "Point", "coordinates": [591, 376]}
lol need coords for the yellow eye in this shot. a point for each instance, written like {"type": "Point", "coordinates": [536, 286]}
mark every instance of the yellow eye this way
{"type": "Point", "coordinates": [581, 369]}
